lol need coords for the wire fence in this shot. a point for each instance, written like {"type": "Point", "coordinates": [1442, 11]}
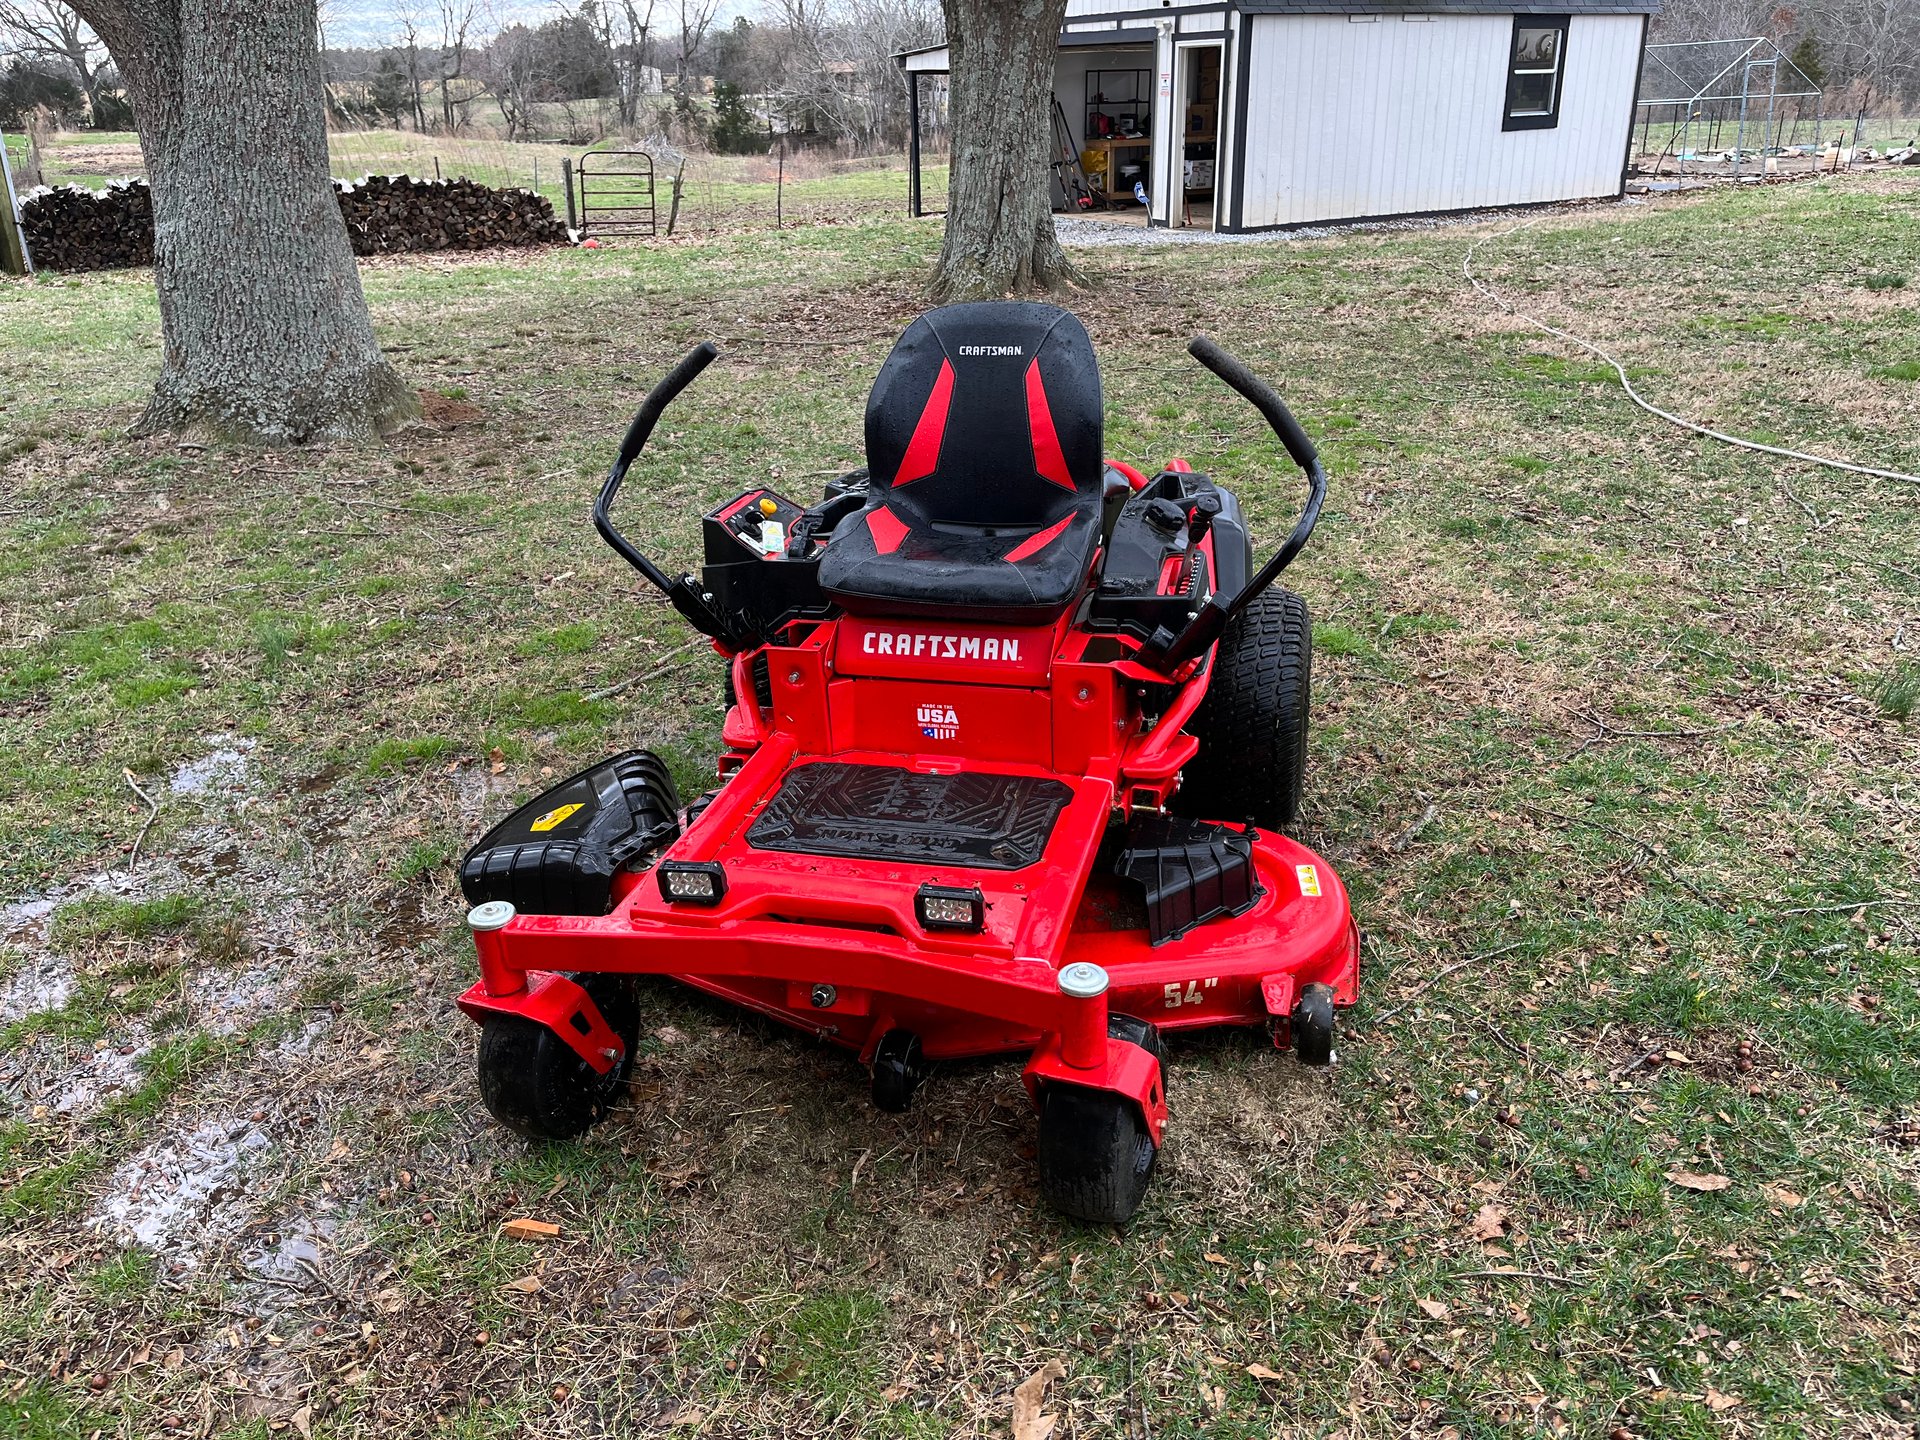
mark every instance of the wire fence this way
{"type": "Point", "coordinates": [716, 193]}
{"type": "Point", "coordinates": [1742, 108]}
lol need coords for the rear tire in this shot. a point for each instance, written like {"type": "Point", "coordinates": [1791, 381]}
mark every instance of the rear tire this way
{"type": "Point", "coordinates": [1095, 1155]}
{"type": "Point", "coordinates": [536, 1084]}
{"type": "Point", "coordinates": [1252, 726]}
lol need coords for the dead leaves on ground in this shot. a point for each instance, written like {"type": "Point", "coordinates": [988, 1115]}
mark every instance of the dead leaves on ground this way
{"type": "Point", "coordinates": [1489, 1223]}
{"type": "Point", "coordinates": [1693, 1180]}
{"type": "Point", "coordinates": [1028, 1421]}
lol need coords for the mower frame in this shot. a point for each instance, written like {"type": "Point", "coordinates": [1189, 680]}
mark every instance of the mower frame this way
{"type": "Point", "coordinates": [838, 946]}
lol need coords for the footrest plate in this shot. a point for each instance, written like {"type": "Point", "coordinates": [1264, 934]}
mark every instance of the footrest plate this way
{"type": "Point", "coordinates": [882, 812]}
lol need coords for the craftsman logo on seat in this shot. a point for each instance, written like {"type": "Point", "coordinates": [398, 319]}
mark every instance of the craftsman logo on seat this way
{"type": "Point", "coordinates": [920, 645]}
{"type": "Point", "coordinates": [938, 722]}
{"type": "Point", "coordinates": [996, 350]}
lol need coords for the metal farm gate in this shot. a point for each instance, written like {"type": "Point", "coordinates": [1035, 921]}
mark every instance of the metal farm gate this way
{"type": "Point", "coordinates": [616, 193]}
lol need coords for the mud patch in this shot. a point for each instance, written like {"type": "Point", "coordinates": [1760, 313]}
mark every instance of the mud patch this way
{"type": "Point", "coordinates": [44, 983]}
{"type": "Point", "coordinates": [223, 768]}
{"type": "Point", "coordinates": [227, 1003]}
{"type": "Point", "coordinates": [447, 412]}
{"type": "Point", "coordinates": [106, 1071]}
{"type": "Point", "coordinates": [183, 1195]}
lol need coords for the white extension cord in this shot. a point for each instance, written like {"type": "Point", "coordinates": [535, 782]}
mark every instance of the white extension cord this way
{"type": "Point", "coordinates": [1466, 269]}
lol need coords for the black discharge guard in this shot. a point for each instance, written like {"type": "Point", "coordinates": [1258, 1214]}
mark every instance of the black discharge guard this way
{"type": "Point", "coordinates": [881, 812]}
{"type": "Point", "coordinates": [558, 853]}
{"type": "Point", "coordinates": [1187, 871]}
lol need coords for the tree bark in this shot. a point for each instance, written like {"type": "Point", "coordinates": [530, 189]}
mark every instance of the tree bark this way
{"type": "Point", "coordinates": [1000, 238]}
{"type": "Point", "coordinates": [262, 313]}
{"type": "Point", "coordinates": [264, 325]}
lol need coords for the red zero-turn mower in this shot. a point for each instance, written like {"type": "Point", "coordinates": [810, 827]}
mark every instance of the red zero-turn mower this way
{"type": "Point", "coordinates": [1011, 734]}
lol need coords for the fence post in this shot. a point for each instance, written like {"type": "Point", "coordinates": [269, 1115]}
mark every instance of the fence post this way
{"type": "Point", "coordinates": [15, 256]}
{"type": "Point", "coordinates": [674, 213]}
{"type": "Point", "coordinates": [566, 179]}
{"type": "Point", "coordinates": [780, 186]}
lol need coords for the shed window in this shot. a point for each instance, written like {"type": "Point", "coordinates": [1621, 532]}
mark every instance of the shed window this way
{"type": "Point", "coordinates": [1534, 71]}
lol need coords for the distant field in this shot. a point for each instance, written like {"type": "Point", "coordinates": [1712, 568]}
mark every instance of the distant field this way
{"type": "Point", "coordinates": [719, 192]}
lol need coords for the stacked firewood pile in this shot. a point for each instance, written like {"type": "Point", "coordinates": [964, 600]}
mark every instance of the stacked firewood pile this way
{"type": "Point", "coordinates": [74, 229]}
{"type": "Point", "coordinates": [388, 213]}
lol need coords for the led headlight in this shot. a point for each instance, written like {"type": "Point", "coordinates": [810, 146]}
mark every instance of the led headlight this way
{"type": "Point", "coordinates": [950, 907]}
{"type": "Point", "coordinates": [686, 882]}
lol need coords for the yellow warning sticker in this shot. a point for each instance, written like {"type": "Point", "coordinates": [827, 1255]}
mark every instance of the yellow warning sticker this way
{"type": "Point", "coordinates": [1308, 875]}
{"type": "Point", "coordinates": [560, 812]}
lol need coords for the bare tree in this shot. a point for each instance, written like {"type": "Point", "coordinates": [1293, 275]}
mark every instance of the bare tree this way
{"type": "Point", "coordinates": [50, 30]}
{"type": "Point", "coordinates": [1868, 50]}
{"type": "Point", "coordinates": [1871, 47]}
{"type": "Point", "coordinates": [408, 24]}
{"type": "Point", "coordinates": [456, 21]}
{"type": "Point", "coordinates": [511, 70]}
{"type": "Point", "coordinates": [696, 18]}
{"type": "Point", "coordinates": [1000, 238]}
{"type": "Point", "coordinates": [838, 64]}
{"type": "Point", "coordinates": [264, 327]}
{"type": "Point", "coordinates": [625, 27]}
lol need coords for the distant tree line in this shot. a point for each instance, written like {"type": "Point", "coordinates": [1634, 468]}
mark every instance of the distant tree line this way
{"type": "Point", "coordinates": [1864, 54]}
{"type": "Point", "coordinates": [51, 60]}
{"type": "Point", "coordinates": [819, 69]}
{"type": "Point", "coordinates": [816, 70]}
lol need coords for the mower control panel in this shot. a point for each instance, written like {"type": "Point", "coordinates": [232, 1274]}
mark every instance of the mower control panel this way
{"type": "Point", "coordinates": [759, 521]}
{"type": "Point", "coordinates": [1158, 568]}
{"type": "Point", "coordinates": [762, 556]}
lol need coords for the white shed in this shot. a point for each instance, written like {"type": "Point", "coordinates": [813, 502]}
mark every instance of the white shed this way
{"type": "Point", "coordinates": [1263, 114]}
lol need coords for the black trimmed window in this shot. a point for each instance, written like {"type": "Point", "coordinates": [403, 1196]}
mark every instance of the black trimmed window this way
{"type": "Point", "coordinates": [1535, 68]}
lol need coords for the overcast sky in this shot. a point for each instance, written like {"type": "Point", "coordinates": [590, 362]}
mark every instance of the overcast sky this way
{"type": "Point", "coordinates": [370, 22]}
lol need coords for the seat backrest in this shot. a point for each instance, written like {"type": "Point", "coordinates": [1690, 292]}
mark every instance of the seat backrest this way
{"type": "Point", "coordinates": [987, 414]}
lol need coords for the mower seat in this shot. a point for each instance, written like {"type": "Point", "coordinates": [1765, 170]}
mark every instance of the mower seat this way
{"type": "Point", "coordinates": [985, 470]}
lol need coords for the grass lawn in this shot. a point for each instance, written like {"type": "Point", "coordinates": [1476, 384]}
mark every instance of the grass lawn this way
{"type": "Point", "coordinates": [1615, 744]}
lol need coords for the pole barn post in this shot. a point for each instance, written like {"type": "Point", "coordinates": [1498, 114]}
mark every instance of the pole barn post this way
{"type": "Point", "coordinates": [16, 258]}
{"type": "Point", "coordinates": [913, 144]}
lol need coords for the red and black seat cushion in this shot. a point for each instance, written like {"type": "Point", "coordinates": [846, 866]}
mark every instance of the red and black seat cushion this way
{"type": "Point", "coordinates": [984, 465]}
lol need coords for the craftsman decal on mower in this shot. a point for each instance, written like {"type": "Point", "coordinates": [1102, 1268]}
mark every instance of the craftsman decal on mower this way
{"type": "Point", "coordinates": [920, 644]}
{"type": "Point", "coordinates": [553, 817]}
{"type": "Point", "coordinates": [938, 722]}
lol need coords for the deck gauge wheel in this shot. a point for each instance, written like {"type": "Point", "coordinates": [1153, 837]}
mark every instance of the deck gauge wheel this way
{"type": "Point", "coordinates": [537, 1084]}
{"type": "Point", "coordinates": [898, 1069]}
{"type": "Point", "coordinates": [1313, 1025]}
{"type": "Point", "coordinates": [1095, 1155]}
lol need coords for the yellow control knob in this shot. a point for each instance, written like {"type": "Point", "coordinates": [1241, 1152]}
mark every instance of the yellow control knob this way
{"type": "Point", "coordinates": [767, 507]}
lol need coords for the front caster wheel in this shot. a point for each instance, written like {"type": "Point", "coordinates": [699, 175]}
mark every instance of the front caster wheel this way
{"type": "Point", "coordinates": [1095, 1155]}
{"type": "Point", "coordinates": [898, 1070]}
{"type": "Point", "coordinates": [1313, 1026]}
{"type": "Point", "coordinates": [535, 1084]}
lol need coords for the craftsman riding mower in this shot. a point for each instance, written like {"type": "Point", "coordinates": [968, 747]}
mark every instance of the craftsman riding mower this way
{"type": "Point", "coordinates": [1011, 734]}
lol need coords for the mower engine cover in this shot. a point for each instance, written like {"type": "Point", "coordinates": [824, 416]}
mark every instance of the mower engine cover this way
{"type": "Point", "coordinates": [558, 853]}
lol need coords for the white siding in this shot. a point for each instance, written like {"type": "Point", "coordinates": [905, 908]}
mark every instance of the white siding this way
{"type": "Point", "coordinates": [1155, 9]}
{"type": "Point", "coordinates": [1391, 117]}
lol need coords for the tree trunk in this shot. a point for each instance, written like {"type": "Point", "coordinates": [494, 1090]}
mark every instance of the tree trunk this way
{"type": "Point", "coordinates": [1000, 238]}
{"type": "Point", "coordinates": [265, 327]}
